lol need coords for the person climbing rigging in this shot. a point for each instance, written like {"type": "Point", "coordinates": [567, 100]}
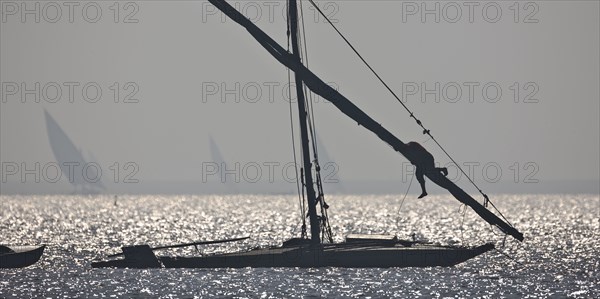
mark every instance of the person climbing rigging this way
{"type": "Point", "coordinates": [424, 163]}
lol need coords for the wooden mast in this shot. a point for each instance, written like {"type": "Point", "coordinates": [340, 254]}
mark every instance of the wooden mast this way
{"type": "Point", "coordinates": [302, 115]}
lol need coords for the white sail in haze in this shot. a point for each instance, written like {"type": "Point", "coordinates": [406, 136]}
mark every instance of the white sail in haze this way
{"type": "Point", "coordinates": [71, 161]}
{"type": "Point", "coordinates": [221, 165]}
{"type": "Point", "coordinates": [329, 169]}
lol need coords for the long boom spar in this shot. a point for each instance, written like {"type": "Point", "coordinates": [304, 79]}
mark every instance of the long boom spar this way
{"type": "Point", "coordinates": [319, 87]}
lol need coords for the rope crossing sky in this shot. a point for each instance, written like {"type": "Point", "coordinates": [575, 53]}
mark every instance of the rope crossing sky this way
{"type": "Point", "coordinates": [411, 114]}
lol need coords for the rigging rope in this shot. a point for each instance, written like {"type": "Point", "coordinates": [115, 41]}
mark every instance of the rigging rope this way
{"type": "Point", "coordinates": [310, 104]}
{"type": "Point", "coordinates": [509, 257]}
{"type": "Point", "coordinates": [403, 198]}
{"type": "Point", "coordinates": [325, 227]}
{"type": "Point", "coordinates": [462, 222]}
{"type": "Point", "coordinates": [412, 115]}
{"type": "Point", "coordinates": [300, 197]}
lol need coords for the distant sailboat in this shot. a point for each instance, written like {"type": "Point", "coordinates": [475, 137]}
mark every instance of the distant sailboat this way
{"type": "Point", "coordinates": [219, 161]}
{"type": "Point", "coordinates": [331, 169]}
{"type": "Point", "coordinates": [318, 249]}
{"type": "Point", "coordinates": [70, 159]}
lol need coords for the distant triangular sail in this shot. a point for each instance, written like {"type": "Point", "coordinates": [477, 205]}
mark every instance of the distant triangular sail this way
{"type": "Point", "coordinates": [67, 154]}
{"type": "Point", "coordinates": [329, 167]}
{"type": "Point", "coordinates": [218, 159]}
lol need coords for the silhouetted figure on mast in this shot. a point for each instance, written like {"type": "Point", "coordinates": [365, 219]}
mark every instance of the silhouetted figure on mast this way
{"type": "Point", "coordinates": [424, 163]}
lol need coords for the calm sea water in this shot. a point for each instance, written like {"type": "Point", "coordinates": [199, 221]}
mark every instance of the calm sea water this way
{"type": "Point", "coordinates": [559, 258]}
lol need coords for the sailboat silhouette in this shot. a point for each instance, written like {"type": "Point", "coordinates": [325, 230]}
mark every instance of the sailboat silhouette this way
{"type": "Point", "coordinates": [331, 179]}
{"type": "Point", "coordinates": [71, 160]}
{"type": "Point", "coordinates": [319, 250]}
{"type": "Point", "coordinates": [218, 159]}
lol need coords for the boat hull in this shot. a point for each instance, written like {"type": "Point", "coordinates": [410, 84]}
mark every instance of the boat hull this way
{"type": "Point", "coordinates": [334, 256]}
{"type": "Point", "coordinates": [343, 255]}
{"type": "Point", "coordinates": [21, 258]}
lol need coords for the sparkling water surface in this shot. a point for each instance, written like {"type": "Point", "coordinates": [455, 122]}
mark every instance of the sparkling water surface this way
{"type": "Point", "coordinates": [559, 257]}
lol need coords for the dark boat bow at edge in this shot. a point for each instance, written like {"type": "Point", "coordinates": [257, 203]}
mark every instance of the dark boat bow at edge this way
{"type": "Point", "coordinates": [20, 256]}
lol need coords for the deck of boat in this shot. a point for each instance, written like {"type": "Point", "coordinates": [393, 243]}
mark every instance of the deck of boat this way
{"type": "Point", "coordinates": [334, 255]}
{"type": "Point", "coordinates": [347, 255]}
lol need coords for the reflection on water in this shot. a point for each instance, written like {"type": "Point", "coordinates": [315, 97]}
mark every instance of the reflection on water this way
{"type": "Point", "coordinates": [558, 258]}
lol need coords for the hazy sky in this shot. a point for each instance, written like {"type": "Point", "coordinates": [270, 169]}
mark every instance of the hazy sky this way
{"type": "Point", "coordinates": [180, 58]}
